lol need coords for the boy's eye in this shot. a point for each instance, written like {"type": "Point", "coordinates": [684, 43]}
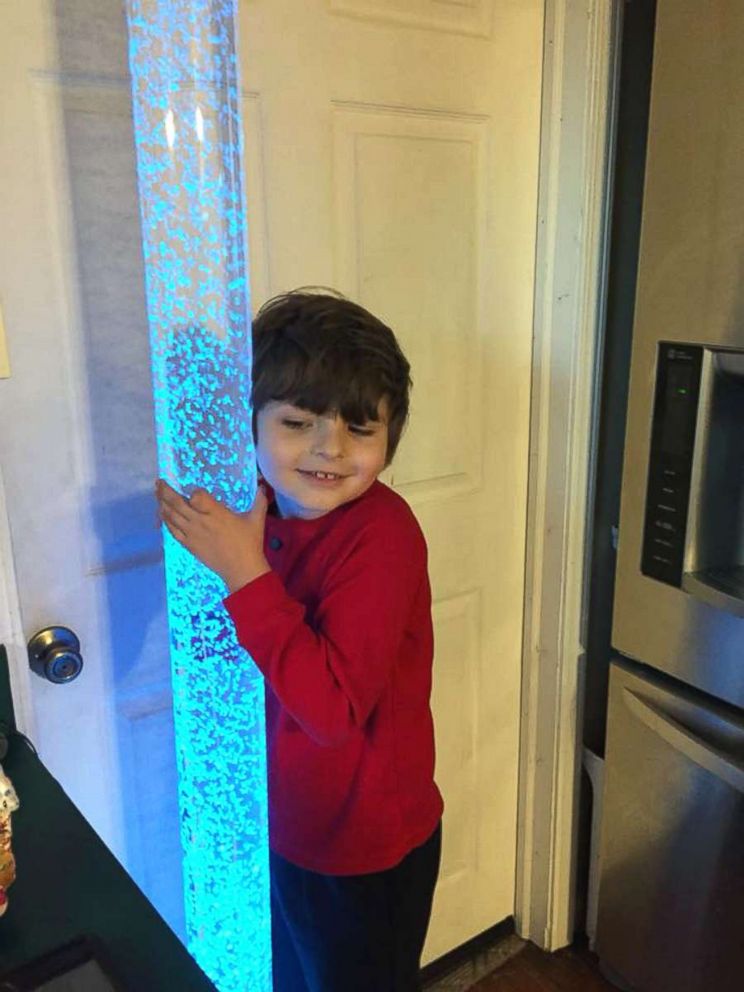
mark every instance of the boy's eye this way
{"type": "Point", "coordinates": [296, 425]}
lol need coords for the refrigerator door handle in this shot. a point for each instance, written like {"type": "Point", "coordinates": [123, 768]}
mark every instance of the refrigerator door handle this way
{"type": "Point", "coordinates": [684, 741]}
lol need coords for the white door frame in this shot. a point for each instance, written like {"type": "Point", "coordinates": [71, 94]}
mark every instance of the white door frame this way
{"type": "Point", "coordinates": [580, 77]}
{"type": "Point", "coordinates": [11, 629]}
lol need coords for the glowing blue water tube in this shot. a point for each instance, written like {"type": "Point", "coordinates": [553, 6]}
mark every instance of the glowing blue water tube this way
{"type": "Point", "coordinates": [186, 104]}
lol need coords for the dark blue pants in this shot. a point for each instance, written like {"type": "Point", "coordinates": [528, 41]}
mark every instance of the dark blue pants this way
{"type": "Point", "coordinates": [363, 933]}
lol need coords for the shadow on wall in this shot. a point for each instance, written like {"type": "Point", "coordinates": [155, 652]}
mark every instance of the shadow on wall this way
{"type": "Point", "coordinates": [119, 450]}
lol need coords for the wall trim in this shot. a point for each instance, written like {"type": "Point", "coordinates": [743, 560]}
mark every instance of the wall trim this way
{"type": "Point", "coordinates": [11, 630]}
{"type": "Point", "coordinates": [580, 77]}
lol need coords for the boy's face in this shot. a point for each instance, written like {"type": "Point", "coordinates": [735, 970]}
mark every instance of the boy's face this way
{"type": "Point", "coordinates": [294, 445]}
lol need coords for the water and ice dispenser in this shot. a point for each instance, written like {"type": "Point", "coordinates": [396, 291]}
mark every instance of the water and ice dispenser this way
{"type": "Point", "coordinates": [694, 522]}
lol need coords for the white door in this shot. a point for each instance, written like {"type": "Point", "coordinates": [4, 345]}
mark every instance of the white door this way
{"type": "Point", "coordinates": [399, 141]}
{"type": "Point", "coordinates": [77, 447]}
{"type": "Point", "coordinates": [392, 152]}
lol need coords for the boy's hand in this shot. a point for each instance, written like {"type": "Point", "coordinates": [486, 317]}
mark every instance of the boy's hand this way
{"type": "Point", "coordinates": [229, 543]}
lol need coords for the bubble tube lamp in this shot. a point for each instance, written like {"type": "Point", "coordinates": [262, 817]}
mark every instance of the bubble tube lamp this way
{"type": "Point", "coordinates": [186, 107]}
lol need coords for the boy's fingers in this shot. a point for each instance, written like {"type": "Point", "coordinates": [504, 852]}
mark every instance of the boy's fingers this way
{"type": "Point", "coordinates": [170, 498]}
{"type": "Point", "coordinates": [162, 488]}
{"type": "Point", "coordinates": [175, 511]}
{"type": "Point", "coordinates": [177, 514]}
{"type": "Point", "coordinates": [202, 502]}
{"type": "Point", "coordinates": [175, 532]}
{"type": "Point", "coordinates": [261, 502]}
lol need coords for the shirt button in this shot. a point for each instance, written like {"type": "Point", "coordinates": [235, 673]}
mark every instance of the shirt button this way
{"type": "Point", "coordinates": [276, 544]}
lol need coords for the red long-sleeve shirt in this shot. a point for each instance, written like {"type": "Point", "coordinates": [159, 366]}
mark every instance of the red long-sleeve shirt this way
{"type": "Point", "coordinates": [341, 629]}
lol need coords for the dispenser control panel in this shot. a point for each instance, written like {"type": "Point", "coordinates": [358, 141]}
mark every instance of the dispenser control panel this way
{"type": "Point", "coordinates": [670, 464]}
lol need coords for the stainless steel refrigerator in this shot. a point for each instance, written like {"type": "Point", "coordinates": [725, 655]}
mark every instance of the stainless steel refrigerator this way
{"type": "Point", "coordinates": [671, 896]}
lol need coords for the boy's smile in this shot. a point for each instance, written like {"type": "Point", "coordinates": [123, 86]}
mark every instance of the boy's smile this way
{"type": "Point", "coordinates": [317, 463]}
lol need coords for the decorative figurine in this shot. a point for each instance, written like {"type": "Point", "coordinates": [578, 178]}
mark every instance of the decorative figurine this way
{"type": "Point", "coordinates": [8, 805]}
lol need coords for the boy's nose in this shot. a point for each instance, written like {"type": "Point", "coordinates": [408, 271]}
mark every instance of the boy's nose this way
{"type": "Point", "coordinates": [329, 441]}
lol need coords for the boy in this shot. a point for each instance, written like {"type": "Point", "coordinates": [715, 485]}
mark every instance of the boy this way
{"type": "Point", "coordinates": [329, 592]}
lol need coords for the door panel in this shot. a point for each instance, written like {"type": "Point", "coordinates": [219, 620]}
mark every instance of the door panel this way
{"type": "Point", "coordinates": [400, 152]}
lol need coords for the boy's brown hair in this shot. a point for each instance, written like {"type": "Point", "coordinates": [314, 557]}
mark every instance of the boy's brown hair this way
{"type": "Point", "coordinates": [326, 354]}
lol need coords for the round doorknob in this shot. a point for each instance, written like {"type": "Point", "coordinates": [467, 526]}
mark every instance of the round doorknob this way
{"type": "Point", "coordinates": [54, 654]}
